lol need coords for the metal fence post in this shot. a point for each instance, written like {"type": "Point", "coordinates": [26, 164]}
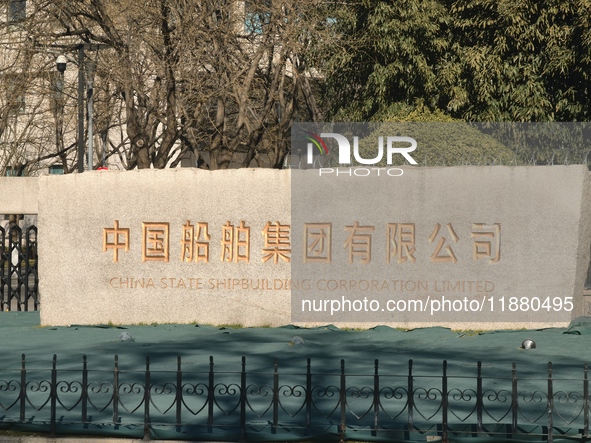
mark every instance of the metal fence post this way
{"type": "Point", "coordinates": [210, 395]}
{"type": "Point", "coordinates": [84, 399]}
{"type": "Point", "coordinates": [147, 390]}
{"type": "Point", "coordinates": [31, 269]}
{"type": "Point", "coordinates": [585, 400]}
{"type": "Point", "coordinates": [179, 393]}
{"type": "Point", "coordinates": [514, 402]}
{"type": "Point", "coordinates": [550, 404]}
{"type": "Point", "coordinates": [444, 403]}
{"type": "Point", "coordinates": [27, 271]}
{"type": "Point", "coordinates": [479, 399]}
{"type": "Point", "coordinates": [343, 401]}
{"type": "Point", "coordinates": [376, 398]}
{"type": "Point", "coordinates": [116, 391]}
{"type": "Point", "coordinates": [275, 396]}
{"type": "Point", "coordinates": [23, 389]}
{"type": "Point", "coordinates": [53, 395]}
{"type": "Point", "coordinates": [15, 237]}
{"type": "Point", "coordinates": [410, 396]}
{"type": "Point", "coordinates": [243, 400]}
{"type": "Point", "coordinates": [308, 392]}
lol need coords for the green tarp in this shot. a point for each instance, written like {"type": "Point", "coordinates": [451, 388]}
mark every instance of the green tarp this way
{"type": "Point", "coordinates": [336, 356]}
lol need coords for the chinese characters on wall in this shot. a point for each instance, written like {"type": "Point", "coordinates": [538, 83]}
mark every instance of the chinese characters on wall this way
{"type": "Point", "coordinates": [235, 242]}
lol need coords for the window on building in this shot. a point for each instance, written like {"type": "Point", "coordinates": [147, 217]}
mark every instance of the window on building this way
{"type": "Point", "coordinates": [17, 10]}
{"type": "Point", "coordinates": [256, 15]}
{"type": "Point", "coordinates": [15, 97]}
{"type": "Point", "coordinates": [188, 160]}
{"type": "Point", "coordinates": [13, 171]}
{"type": "Point", "coordinates": [56, 169]}
{"type": "Point", "coordinates": [18, 105]}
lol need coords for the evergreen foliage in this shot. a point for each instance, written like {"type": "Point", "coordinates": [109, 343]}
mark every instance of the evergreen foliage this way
{"type": "Point", "coordinates": [466, 60]}
{"type": "Point", "coordinates": [477, 60]}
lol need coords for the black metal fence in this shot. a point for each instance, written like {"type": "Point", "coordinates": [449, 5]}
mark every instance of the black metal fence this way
{"type": "Point", "coordinates": [255, 405]}
{"type": "Point", "coordinates": [19, 278]}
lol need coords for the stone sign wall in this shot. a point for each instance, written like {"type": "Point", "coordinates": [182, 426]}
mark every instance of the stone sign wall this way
{"type": "Point", "coordinates": [496, 246]}
{"type": "Point", "coordinates": [175, 246]}
{"type": "Point", "coordinates": [468, 247]}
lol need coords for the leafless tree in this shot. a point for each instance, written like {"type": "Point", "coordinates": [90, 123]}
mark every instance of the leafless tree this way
{"type": "Point", "coordinates": [219, 79]}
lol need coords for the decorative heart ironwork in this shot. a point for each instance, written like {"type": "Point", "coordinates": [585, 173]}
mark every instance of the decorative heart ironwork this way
{"type": "Point", "coordinates": [357, 394]}
{"type": "Point", "coordinates": [297, 391]}
{"type": "Point", "coordinates": [389, 396]}
{"type": "Point", "coordinates": [254, 393]}
{"type": "Point", "coordinates": [65, 389]}
{"type": "Point", "coordinates": [38, 387]}
{"type": "Point", "coordinates": [427, 402]}
{"type": "Point", "coordinates": [195, 397]}
{"type": "Point", "coordinates": [129, 390]}
{"type": "Point", "coordinates": [458, 398]}
{"type": "Point", "coordinates": [227, 392]}
{"type": "Point", "coordinates": [9, 386]}
{"type": "Point", "coordinates": [572, 402]}
{"type": "Point", "coordinates": [493, 401]}
{"type": "Point", "coordinates": [97, 391]}
{"type": "Point", "coordinates": [322, 394]}
{"type": "Point", "coordinates": [158, 395]}
{"type": "Point", "coordinates": [527, 400]}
